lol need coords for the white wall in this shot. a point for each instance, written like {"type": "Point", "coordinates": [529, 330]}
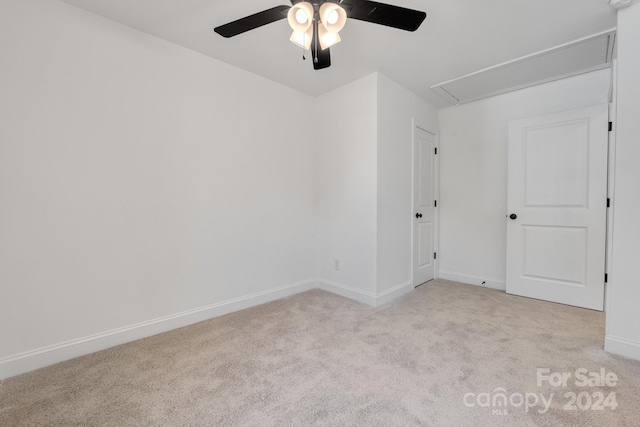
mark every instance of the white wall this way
{"type": "Point", "coordinates": [397, 109]}
{"type": "Point", "coordinates": [364, 187]}
{"type": "Point", "coordinates": [473, 177]}
{"type": "Point", "coordinates": [140, 180]}
{"type": "Point", "coordinates": [623, 317]}
{"type": "Point", "coordinates": [346, 188]}
{"type": "Point", "coordinates": [145, 187]}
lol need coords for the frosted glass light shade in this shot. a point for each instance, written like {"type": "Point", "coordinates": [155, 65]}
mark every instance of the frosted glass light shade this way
{"type": "Point", "coordinates": [333, 17]}
{"type": "Point", "coordinates": [302, 39]}
{"type": "Point", "coordinates": [300, 16]}
{"type": "Point", "coordinates": [326, 38]}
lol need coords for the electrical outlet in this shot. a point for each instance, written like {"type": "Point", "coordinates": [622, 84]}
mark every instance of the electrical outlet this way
{"type": "Point", "coordinates": [336, 264]}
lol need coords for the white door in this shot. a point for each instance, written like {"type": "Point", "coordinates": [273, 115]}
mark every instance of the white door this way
{"type": "Point", "coordinates": [557, 201]}
{"type": "Point", "coordinates": [423, 203]}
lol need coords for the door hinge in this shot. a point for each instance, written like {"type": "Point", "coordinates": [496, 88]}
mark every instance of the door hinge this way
{"type": "Point", "coordinates": [606, 277]}
{"type": "Point", "coordinates": [608, 202]}
{"type": "Point", "coordinates": [435, 150]}
{"type": "Point", "coordinates": [435, 255]}
{"type": "Point", "coordinates": [435, 203]}
{"type": "Point", "coordinates": [610, 126]}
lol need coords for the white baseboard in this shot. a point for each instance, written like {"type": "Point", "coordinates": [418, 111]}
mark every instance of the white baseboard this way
{"type": "Point", "coordinates": [622, 347]}
{"type": "Point", "coordinates": [393, 293]}
{"type": "Point", "coordinates": [473, 280]}
{"type": "Point", "coordinates": [359, 295]}
{"type": "Point", "coordinates": [369, 298]}
{"type": "Point", "coordinates": [45, 356]}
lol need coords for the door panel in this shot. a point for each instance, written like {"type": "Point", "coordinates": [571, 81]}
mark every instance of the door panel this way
{"type": "Point", "coordinates": [425, 234]}
{"type": "Point", "coordinates": [557, 165]}
{"type": "Point", "coordinates": [555, 254]}
{"type": "Point", "coordinates": [425, 168]}
{"type": "Point", "coordinates": [557, 192]}
{"type": "Point", "coordinates": [424, 210]}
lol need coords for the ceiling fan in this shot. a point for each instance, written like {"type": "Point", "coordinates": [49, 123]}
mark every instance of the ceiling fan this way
{"type": "Point", "coordinates": [316, 23]}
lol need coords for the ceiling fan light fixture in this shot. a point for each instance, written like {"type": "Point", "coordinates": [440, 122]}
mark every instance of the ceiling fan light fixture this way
{"type": "Point", "coordinates": [301, 39]}
{"type": "Point", "coordinates": [333, 17]}
{"type": "Point", "coordinates": [326, 38]}
{"type": "Point", "coordinates": [316, 24]}
{"type": "Point", "coordinates": [300, 16]}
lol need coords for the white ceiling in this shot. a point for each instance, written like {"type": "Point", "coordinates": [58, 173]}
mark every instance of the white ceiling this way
{"type": "Point", "coordinates": [457, 38]}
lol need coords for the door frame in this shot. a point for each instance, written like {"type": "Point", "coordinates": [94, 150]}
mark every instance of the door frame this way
{"type": "Point", "coordinates": [417, 123]}
{"type": "Point", "coordinates": [611, 173]}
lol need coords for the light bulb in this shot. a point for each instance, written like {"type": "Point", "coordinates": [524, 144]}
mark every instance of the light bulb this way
{"type": "Point", "coordinates": [333, 17]}
{"type": "Point", "coordinates": [301, 16]}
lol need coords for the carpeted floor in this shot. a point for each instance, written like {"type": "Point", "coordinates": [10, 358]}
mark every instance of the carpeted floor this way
{"type": "Point", "coordinates": [438, 356]}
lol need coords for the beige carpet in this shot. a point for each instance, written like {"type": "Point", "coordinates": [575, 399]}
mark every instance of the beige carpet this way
{"type": "Point", "coordinates": [320, 359]}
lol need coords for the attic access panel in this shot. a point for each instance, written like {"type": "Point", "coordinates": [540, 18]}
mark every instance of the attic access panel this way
{"type": "Point", "coordinates": [580, 56]}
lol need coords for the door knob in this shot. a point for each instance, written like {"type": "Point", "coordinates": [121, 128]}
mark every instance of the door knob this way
{"type": "Point", "coordinates": [513, 216]}
{"type": "Point", "coordinates": [418, 215]}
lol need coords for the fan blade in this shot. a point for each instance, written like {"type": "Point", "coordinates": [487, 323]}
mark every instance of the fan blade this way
{"type": "Point", "coordinates": [324, 59]}
{"type": "Point", "coordinates": [386, 14]}
{"type": "Point", "coordinates": [252, 21]}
